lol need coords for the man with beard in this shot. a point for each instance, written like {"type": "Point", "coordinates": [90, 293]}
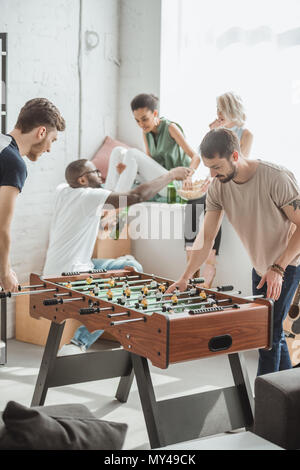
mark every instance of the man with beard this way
{"type": "Point", "coordinates": [262, 202]}
{"type": "Point", "coordinates": [35, 131]}
{"type": "Point", "coordinates": [75, 224]}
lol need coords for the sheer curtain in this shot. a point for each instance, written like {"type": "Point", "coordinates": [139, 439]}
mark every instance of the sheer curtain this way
{"type": "Point", "coordinates": [250, 47]}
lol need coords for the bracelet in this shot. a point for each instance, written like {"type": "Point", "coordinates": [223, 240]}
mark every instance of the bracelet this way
{"type": "Point", "coordinates": [276, 270]}
{"type": "Point", "coordinates": [277, 266]}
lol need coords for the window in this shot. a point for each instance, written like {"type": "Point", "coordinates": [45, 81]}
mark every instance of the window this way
{"type": "Point", "coordinates": [252, 48]}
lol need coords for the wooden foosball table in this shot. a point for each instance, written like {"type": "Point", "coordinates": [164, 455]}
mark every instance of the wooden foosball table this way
{"type": "Point", "coordinates": [148, 324]}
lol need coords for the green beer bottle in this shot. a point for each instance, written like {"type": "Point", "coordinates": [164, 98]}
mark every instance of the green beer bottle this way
{"type": "Point", "coordinates": [171, 194]}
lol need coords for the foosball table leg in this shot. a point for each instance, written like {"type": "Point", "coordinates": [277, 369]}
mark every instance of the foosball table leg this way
{"type": "Point", "coordinates": [124, 387]}
{"type": "Point", "coordinates": [148, 401]}
{"type": "Point", "coordinates": [188, 417]}
{"type": "Point", "coordinates": [241, 380]}
{"type": "Point", "coordinates": [3, 338]}
{"type": "Point", "coordinates": [48, 362]}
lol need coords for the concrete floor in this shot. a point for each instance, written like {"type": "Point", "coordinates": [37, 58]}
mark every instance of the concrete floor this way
{"type": "Point", "coordinates": [18, 378]}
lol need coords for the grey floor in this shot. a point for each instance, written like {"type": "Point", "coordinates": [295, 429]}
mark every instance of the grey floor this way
{"type": "Point", "coordinates": [19, 375]}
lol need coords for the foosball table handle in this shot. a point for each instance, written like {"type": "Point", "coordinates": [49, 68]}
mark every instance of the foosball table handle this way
{"type": "Point", "coordinates": [224, 288]}
{"type": "Point", "coordinates": [88, 311]}
{"type": "Point", "coordinates": [48, 302]}
{"type": "Point", "coordinates": [199, 280]}
{"type": "Point", "coordinates": [3, 295]}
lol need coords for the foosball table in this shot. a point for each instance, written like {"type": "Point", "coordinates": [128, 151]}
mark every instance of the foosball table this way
{"type": "Point", "coordinates": [146, 323]}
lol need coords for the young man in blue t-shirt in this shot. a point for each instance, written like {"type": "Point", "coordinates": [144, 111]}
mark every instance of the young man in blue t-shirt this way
{"type": "Point", "coordinates": [35, 131]}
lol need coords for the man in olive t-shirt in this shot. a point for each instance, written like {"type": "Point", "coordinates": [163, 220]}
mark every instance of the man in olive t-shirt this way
{"type": "Point", "coordinates": [262, 202]}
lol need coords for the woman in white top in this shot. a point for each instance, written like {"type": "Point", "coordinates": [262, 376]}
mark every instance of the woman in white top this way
{"type": "Point", "coordinates": [230, 114]}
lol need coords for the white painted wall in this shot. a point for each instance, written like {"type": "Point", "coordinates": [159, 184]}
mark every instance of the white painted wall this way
{"type": "Point", "coordinates": [43, 45]}
{"type": "Point", "coordinates": [140, 36]}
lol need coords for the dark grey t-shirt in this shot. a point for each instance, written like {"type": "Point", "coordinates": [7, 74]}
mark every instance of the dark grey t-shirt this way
{"type": "Point", "coordinates": [13, 171]}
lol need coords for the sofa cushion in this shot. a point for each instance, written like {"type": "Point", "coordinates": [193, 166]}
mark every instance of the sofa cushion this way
{"type": "Point", "coordinates": [101, 157]}
{"type": "Point", "coordinates": [277, 408]}
{"type": "Point", "coordinates": [58, 428]}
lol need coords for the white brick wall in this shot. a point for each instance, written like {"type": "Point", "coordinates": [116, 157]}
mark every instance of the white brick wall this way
{"type": "Point", "coordinates": [42, 61]}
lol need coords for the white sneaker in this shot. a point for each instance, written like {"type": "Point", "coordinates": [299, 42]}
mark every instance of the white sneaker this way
{"type": "Point", "coordinates": [69, 349]}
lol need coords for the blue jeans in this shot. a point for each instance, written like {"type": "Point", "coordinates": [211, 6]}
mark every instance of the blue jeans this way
{"type": "Point", "coordinates": [82, 336]}
{"type": "Point", "coordinates": [278, 357]}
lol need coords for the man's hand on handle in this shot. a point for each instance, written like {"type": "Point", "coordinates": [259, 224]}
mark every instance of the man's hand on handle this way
{"type": "Point", "coordinates": [274, 284]}
{"type": "Point", "coordinates": [181, 284]}
{"type": "Point", "coordinates": [9, 282]}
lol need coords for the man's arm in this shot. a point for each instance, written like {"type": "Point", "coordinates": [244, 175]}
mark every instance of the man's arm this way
{"type": "Point", "coordinates": [148, 190]}
{"type": "Point", "coordinates": [292, 211]}
{"type": "Point", "coordinates": [272, 278]}
{"type": "Point", "coordinates": [8, 195]}
{"type": "Point", "coordinates": [201, 248]}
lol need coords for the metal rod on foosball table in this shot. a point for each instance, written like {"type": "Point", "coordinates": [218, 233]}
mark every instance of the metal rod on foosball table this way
{"type": "Point", "coordinates": [202, 304]}
{"type": "Point", "coordinates": [10, 294]}
{"type": "Point", "coordinates": [31, 287]}
{"type": "Point", "coordinates": [83, 283]}
{"type": "Point", "coordinates": [179, 300]}
{"type": "Point", "coordinates": [113, 323]}
{"type": "Point", "coordinates": [55, 301]}
{"type": "Point", "coordinates": [254, 297]}
{"type": "Point", "coordinates": [181, 306]}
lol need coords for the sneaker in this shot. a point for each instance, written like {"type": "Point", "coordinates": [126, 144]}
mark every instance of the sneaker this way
{"type": "Point", "coordinates": [69, 349]}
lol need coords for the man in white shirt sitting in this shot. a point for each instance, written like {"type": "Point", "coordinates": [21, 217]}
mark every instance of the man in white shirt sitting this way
{"type": "Point", "coordinates": [75, 224]}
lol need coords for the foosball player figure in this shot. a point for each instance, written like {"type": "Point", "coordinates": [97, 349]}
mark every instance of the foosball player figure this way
{"type": "Point", "coordinates": [145, 290]}
{"type": "Point", "coordinates": [140, 297]}
{"type": "Point", "coordinates": [89, 280]}
{"type": "Point", "coordinates": [69, 285]}
{"type": "Point", "coordinates": [158, 295]}
{"type": "Point", "coordinates": [122, 300]}
{"type": "Point", "coordinates": [174, 299]}
{"type": "Point", "coordinates": [91, 292]}
{"type": "Point", "coordinates": [193, 290]}
{"type": "Point", "coordinates": [96, 289]}
{"type": "Point", "coordinates": [144, 302]}
{"type": "Point", "coordinates": [162, 288]}
{"type": "Point", "coordinates": [109, 294]}
{"type": "Point", "coordinates": [153, 284]}
{"type": "Point", "coordinates": [111, 282]}
{"type": "Point", "coordinates": [127, 292]}
{"type": "Point", "coordinates": [202, 294]}
{"type": "Point", "coordinates": [168, 308]}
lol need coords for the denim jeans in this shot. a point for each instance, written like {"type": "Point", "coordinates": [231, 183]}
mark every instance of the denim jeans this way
{"type": "Point", "coordinates": [278, 357]}
{"type": "Point", "coordinates": [82, 337]}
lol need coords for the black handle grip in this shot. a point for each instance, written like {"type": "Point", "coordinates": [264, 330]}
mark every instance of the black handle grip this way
{"type": "Point", "coordinates": [95, 271]}
{"type": "Point", "coordinates": [3, 295]}
{"type": "Point", "coordinates": [199, 280]}
{"type": "Point", "coordinates": [88, 311]}
{"type": "Point", "coordinates": [52, 301]}
{"type": "Point", "coordinates": [224, 288]}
